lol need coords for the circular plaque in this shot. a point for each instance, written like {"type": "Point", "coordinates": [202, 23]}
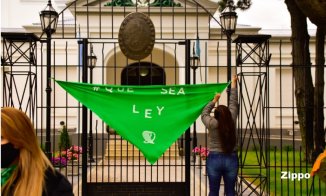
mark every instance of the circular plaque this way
{"type": "Point", "coordinates": [137, 36]}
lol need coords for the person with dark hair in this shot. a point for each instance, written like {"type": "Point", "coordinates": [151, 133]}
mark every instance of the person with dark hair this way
{"type": "Point", "coordinates": [25, 170]}
{"type": "Point", "coordinates": [222, 160]}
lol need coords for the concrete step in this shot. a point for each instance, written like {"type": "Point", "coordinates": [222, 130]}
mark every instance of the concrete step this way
{"type": "Point", "coordinates": [119, 148]}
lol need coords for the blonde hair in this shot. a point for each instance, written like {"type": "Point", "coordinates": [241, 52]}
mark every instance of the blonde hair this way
{"type": "Point", "coordinates": [29, 176]}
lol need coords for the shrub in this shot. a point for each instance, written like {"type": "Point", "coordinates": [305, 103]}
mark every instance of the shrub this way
{"type": "Point", "coordinates": [64, 141]}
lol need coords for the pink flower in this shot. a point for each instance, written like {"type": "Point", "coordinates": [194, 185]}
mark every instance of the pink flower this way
{"type": "Point", "coordinates": [76, 149]}
{"type": "Point", "coordinates": [71, 153]}
{"type": "Point", "coordinates": [204, 153]}
{"type": "Point", "coordinates": [75, 156]}
{"type": "Point", "coordinates": [196, 150]}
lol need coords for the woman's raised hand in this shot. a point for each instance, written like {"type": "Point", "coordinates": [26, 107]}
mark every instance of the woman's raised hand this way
{"type": "Point", "coordinates": [216, 97]}
{"type": "Point", "coordinates": [234, 81]}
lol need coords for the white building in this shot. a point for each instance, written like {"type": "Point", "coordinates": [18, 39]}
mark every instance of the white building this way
{"type": "Point", "coordinates": [23, 16]}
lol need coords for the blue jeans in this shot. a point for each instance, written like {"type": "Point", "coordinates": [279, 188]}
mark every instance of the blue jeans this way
{"type": "Point", "coordinates": [218, 165]}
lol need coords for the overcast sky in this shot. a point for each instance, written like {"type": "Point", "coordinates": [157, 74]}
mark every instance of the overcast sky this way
{"type": "Point", "coordinates": [268, 14]}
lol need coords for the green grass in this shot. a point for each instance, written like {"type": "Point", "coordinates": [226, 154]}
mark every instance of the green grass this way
{"type": "Point", "coordinates": [288, 161]}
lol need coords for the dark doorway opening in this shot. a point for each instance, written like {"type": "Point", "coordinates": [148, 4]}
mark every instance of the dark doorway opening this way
{"type": "Point", "coordinates": [143, 73]}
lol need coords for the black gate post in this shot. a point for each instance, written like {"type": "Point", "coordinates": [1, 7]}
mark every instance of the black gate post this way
{"type": "Point", "coordinates": [84, 120]}
{"type": "Point", "coordinates": [48, 96]}
{"type": "Point", "coordinates": [229, 64]}
{"type": "Point", "coordinates": [187, 142]}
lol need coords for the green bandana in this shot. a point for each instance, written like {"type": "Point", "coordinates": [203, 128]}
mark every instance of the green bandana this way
{"type": "Point", "coordinates": [150, 117]}
{"type": "Point", "coordinates": [6, 173]}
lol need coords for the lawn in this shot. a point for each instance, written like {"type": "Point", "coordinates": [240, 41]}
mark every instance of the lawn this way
{"type": "Point", "coordinates": [283, 161]}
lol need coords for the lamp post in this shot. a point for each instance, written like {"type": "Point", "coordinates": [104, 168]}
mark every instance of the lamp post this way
{"type": "Point", "coordinates": [228, 20]}
{"type": "Point", "coordinates": [49, 20]}
{"type": "Point", "coordinates": [91, 61]}
{"type": "Point", "coordinates": [194, 62]}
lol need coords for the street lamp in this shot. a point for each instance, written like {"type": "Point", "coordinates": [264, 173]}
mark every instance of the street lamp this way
{"type": "Point", "coordinates": [194, 62]}
{"type": "Point", "coordinates": [228, 20]}
{"type": "Point", "coordinates": [49, 20]}
{"type": "Point", "coordinates": [91, 61]}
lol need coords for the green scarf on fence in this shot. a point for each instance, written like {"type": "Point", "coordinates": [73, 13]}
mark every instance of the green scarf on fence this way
{"type": "Point", "coordinates": [150, 117]}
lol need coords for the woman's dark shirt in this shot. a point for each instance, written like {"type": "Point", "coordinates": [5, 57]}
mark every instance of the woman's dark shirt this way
{"type": "Point", "coordinates": [56, 184]}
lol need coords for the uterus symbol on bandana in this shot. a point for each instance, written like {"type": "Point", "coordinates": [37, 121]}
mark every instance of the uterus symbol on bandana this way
{"type": "Point", "coordinates": [149, 137]}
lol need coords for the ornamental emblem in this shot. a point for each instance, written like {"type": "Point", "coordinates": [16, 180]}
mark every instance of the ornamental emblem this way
{"type": "Point", "coordinates": [149, 137]}
{"type": "Point", "coordinates": [137, 36]}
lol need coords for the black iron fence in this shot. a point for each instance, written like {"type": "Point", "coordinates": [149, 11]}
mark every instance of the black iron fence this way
{"type": "Point", "coordinates": [271, 155]}
{"type": "Point", "coordinates": [270, 141]}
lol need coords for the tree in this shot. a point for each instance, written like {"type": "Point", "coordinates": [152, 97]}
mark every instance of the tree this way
{"type": "Point", "coordinates": [315, 11]}
{"type": "Point", "coordinates": [64, 140]}
{"type": "Point", "coordinates": [310, 113]}
{"type": "Point", "coordinates": [241, 4]}
{"type": "Point", "coordinates": [302, 74]}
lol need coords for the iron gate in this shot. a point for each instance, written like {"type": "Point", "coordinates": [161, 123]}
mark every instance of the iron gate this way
{"type": "Point", "coordinates": [124, 169]}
